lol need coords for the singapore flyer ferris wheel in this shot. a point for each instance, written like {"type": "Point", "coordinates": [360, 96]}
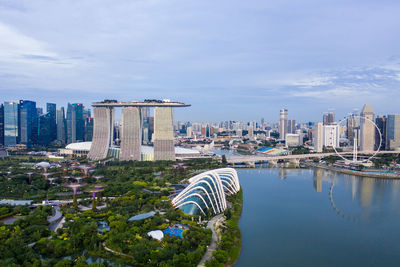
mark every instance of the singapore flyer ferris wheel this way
{"type": "Point", "coordinates": [356, 140]}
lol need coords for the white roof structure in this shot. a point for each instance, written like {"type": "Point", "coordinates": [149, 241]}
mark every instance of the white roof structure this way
{"type": "Point", "coordinates": [85, 146]}
{"type": "Point", "coordinates": [157, 234]}
{"type": "Point", "coordinates": [42, 164]}
{"type": "Point", "coordinates": [79, 146]}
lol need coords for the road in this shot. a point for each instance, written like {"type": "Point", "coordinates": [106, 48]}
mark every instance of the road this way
{"type": "Point", "coordinates": [214, 240]}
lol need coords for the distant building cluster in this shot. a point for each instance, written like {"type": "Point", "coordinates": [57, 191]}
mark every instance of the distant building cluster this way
{"type": "Point", "coordinates": [23, 124]}
{"type": "Point", "coordinates": [362, 131]}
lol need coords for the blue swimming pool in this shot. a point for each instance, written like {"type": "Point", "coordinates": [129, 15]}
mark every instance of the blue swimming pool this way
{"type": "Point", "coordinates": [174, 232]}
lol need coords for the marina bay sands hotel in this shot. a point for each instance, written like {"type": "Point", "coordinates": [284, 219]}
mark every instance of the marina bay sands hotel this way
{"type": "Point", "coordinates": [131, 129]}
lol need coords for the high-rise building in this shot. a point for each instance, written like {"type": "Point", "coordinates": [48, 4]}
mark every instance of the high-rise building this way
{"type": "Point", "coordinates": [329, 118]}
{"type": "Point", "coordinates": [1, 125]}
{"type": "Point", "coordinates": [44, 129]}
{"type": "Point", "coordinates": [51, 109]}
{"type": "Point", "coordinates": [61, 126]}
{"type": "Point", "coordinates": [89, 129]}
{"type": "Point", "coordinates": [11, 122]}
{"type": "Point", "coordinates": [28, 123]}
{"type": "Point", "coordinates": [75, 123]}
{"type": "Point", "coordinates": [318, 137]}
{"type": "Point", "coordinates": [189, 131]}
{"type": "Point", "coordinates": [283, 123]}
{"type": "Point", "coordinates": [291, 126]}
{"type": "Point", "coordinates": [367, 128]}
{"type": "Point", "coordinates": [380, 122]}
{"type": "Point", "coordinates": [331, 135]}
{"type": "Point", "coordinates": [71, 124]}
{"type": "Point", "coordinates": [393, 132]}
{"type": "Point", "coordinates": [352, 125]}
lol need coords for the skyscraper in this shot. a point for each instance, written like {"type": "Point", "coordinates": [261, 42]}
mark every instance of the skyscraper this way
{"type": "Point", "coordinates": [28, 123]}
{"type": "Point", "coordinates": [44, 129]}
{"type": "Point", "coordinates": [352, 125]}
{"type": "Point", "coordinates": [52, 111]}
{"type": "Point", "coordinates": [71, 124]}
{"type": "Point", "coordinates": [283, 124]}
{"type": "Point", "coordinates": [291, 126]}
{"type": "Point", "coordinates": [11, 122]}
{"type": "Point", "coordinates": [380, 122]}
{"type": "Point", "coordinates": [393, 132]}
{"type": "Point", "coordinates": [61, 126]}
{"type": "Point", "coordinates": [331, 135]}
{"type": "Point", "coordinates": [75, 123]}
{"type": "Point", "coordinates": [1, 125]}
{"type": "Point", "coordinates": [329, 118]}
{"type": "Point", "coordinates": [89, 129]}
{"type": "Point", "coordinates": [367, 128]}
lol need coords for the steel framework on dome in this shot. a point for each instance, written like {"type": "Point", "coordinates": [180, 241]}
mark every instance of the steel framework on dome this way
{"type": "Point", "coordinates": [207, 191]}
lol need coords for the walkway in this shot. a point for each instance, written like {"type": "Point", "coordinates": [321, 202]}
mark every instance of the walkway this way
{"type": "Point", "coordinates": [212, 224]}
{"type": "Point", "coordinates": [116, 252]}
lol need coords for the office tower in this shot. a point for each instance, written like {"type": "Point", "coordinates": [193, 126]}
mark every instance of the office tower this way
{"type": "Point", "coordinates": [380, 122]}
{"type": "Point", "coordinates": [80, 123]}
{"type": "Point", "coordinates": [51, 109]}
{"type": "Point", "coordinates": [28, 123]}
{"type": "Point", "coordinates": [291, 126]}
{"type": "Point", "coordinates": [75, 123]}
{"type": "Point", "coordinates": [250, 130]}
{"type": "Point", "coordinates": [393, 132]}
{"type": "Point", "coordinates": [61, 126]}
{"type": "Point", "coordinates": [71, 124]}
{"type": "Point", "coordinates": [11, 122]}
{"type": "Point", "coordinates": [318, 137]}
{"type": "Point", "coordinates": [331, 135]}
{"type": "Point", "coordinates": [329, 118]}
{"type": "Point", "coordinates": [89, 129]}
{"type": "Point", "coordinates": [44, 129]}
{"type": "Point", "coordinates": [189, 131]}
{"type": "Point", "coordinates": [367, 128]}
{"type": "Point", "coordinates": [283, 124]}
{"type": "Point", "coordinates": [1, 125]}
{"type": "Point", "coordinates": [352, 125]}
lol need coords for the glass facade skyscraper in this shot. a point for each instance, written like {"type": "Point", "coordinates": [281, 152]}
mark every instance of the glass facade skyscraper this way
{"type": "Point", "coordinates": [75, 123]}
{"type": "Point", "coordinates": [52, 111]}
{"type": "Point", "coordinates": [393, 132]}
{"type": "Point", "coordinates": [11, 123]}
{"type": "Point", "coordinates": [44, 126]}
{"type": "Point", "coordinates": [28, 122]}
{"type": "Point", "coordinates": [61, 126]}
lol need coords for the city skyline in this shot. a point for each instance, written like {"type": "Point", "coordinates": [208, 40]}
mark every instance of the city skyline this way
{"type": "Point", "coordinates": [250, 58]}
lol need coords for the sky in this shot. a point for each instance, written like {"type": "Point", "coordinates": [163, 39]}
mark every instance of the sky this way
{"type": "Point", "coordinates": [229, 59]}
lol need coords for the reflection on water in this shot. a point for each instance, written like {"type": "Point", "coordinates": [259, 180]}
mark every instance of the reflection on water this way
{"type": "Point", "coordinates": [314, 217]}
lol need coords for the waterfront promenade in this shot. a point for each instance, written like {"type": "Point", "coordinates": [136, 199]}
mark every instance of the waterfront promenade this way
{"type": "Point", "coordinates": [264, 158]}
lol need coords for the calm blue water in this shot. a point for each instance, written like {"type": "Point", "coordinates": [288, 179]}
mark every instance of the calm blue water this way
{"type": "Point", "coordinates": [289, 219]}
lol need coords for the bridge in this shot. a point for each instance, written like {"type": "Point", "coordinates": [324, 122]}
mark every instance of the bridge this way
{"type": "Point", "coordinates": [260, 158]}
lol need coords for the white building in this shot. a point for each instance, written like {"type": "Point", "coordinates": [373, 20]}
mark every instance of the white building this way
{"type": "Point", "coordinates": [292, 140]}
{"type": "Point", "coordinates": [318, 137]}
{"type": "Point", "coordinates": [331, 135]}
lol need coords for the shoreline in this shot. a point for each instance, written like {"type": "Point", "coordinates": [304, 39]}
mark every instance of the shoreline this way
{"type": "Point", "coordinates": [356, 173]}
{"type": "Point", "coordinates": [228, 255]}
